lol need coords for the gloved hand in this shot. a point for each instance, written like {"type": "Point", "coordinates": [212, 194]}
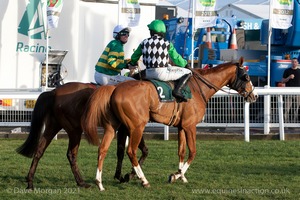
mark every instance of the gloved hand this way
{"type": "Point", "coordinates": [131, 67]}
{"type": "Point", "coordinates": [187, 66]}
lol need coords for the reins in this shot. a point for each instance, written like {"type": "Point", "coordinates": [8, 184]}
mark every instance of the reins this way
{"type": "Point", "coordinates": [200, 77]}
{"type": "Point", "coordinates": [236, 85]}
{"type": "Point", "coordinates": [208, 83]}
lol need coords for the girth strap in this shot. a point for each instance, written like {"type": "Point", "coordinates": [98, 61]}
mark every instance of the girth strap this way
{"type": "Point", "coordinates": [174, 115]}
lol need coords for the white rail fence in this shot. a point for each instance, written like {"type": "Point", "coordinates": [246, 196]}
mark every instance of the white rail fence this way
{"type": "Point", "coordinates": [223, 110]}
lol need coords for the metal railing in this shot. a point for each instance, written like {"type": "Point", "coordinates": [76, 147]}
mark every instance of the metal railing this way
{"type": "Point", "coordinates": [16, 107]}
{"type": "Point", "coordinates": [223, 110]}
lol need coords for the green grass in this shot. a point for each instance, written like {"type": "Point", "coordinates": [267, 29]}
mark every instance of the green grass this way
{"type": "Point", "coordinates": [221, 170]}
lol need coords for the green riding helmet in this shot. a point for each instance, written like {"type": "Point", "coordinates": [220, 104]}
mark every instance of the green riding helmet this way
{"type": "Point", "coordinates": [157, 26]}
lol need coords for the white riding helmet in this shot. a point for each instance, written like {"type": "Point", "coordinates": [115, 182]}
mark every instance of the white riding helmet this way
{"type": "Point", "coordinates": [120, 28]}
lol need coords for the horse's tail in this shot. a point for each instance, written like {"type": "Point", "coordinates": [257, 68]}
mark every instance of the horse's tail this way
{"type": "Point", "coordinates": [97, 113]}
{"type": "Point", "coordinates": [41, 109]}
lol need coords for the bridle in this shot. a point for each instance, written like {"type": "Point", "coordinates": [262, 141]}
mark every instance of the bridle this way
{"type": "Point", "coordinates": [239, 84]}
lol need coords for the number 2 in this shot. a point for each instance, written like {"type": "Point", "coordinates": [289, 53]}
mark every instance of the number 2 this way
{"type": "Point", "coordinates": [161, 92]}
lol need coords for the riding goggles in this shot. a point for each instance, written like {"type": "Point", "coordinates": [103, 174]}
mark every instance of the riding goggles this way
{"type": "Point", "coordinates": [123, 33]}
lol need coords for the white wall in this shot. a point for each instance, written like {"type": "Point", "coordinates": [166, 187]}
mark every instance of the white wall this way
{"type": "Point", "coordinates": [97, 21]}
{"type": "Point", "coordinates": [15, 68]}
{"type": "Point", "coordinates": [84, 29]}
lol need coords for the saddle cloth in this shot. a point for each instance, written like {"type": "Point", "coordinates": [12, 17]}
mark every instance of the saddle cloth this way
{"type": "Point", "coordinates": [164, 90]}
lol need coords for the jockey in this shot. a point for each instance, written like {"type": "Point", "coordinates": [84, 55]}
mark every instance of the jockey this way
{"type": "Point", "coordinates": [157, 53]}
{"type": "Point", "coordinates": [111, 62]}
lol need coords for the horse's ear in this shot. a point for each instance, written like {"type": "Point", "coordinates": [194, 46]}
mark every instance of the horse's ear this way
{"type": "Point", "coordinates": [241, 61]}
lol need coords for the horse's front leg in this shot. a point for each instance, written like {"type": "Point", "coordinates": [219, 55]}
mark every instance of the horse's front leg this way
{"type": "Point", "coordinates": [190, 134]}
{"type": "Point", "coordinates": [181, 155]}
{"type": "Point", "coordinates": [144, 149]}
{"type": "Point", "coordinates": [74, 142]}
{"type": "Point", "coordinates": [102, 151]}
{"type": "Point", "coordinates": [121, 141]}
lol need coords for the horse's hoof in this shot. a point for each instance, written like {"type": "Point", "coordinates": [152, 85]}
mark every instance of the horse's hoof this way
{"type": "Point", "coordinates": [84, 185]}
{"type": "Point", "coordinates": [127, 177]}
{"type": "Point", "coordinates": [184, 179]}
{"type": "Point", "coordinates": [131, 176]}
{"type": "Point", "coordinates": [147, 185]}
{"type": "Point", "coordinates": [100, 186]}
{"type": "Point", "coordinates": [118, 176]}
{"type": "Point", "coordinates": [172, 178]}
{"type": "Point", "coordinates": [120, 179]}
{"type": "Point", "coordinates": [29, 183]}
{"type": "Point", "coordinates": [29, 188]}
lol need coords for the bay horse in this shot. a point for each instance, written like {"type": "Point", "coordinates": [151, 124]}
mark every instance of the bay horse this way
{"type": "Point", "coordinates": [135, 103]}
{"type": "Point", "coordinates": [62, 108]}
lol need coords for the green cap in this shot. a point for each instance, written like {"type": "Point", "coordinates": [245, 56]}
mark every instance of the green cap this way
{"type": "Point", "coordinates": [158, 26]}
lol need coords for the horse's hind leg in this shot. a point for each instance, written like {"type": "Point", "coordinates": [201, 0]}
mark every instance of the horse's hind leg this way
{"type": "Point", "coordinates": [45, 140]}
{"type": "Point", "coordinates": [74, 142]}
{"type": "Point", "coordinates": [134, 141]}
{"type": "Point", "coordinates": [108, 136]}
{"type": "Point", "coordinates": [121, 140]}
{"type": "Point", "coordinates": [144, 149]}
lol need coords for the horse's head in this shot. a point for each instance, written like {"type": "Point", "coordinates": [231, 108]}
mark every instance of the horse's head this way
{"type": "Point", "coordinates": [242, 83]}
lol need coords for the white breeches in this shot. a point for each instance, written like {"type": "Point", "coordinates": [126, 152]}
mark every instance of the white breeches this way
{"type": "Point", "coordinates": [104, 79]}
{"type": "Point", "coordinates": [170, 73]}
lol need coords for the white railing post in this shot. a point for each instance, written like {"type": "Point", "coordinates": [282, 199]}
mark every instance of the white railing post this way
{"type": "Point", "coordinates": [166, 132]}
{"type": "Point", "coordinates": [246, 121]}
{"type": "Point", "coordinates": [281, 120]}
{"type": "Point", "coordinates": [267, 106]}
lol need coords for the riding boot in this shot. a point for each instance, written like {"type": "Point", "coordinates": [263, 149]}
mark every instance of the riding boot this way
{"type": "Point", "coordinates": [177, 92]}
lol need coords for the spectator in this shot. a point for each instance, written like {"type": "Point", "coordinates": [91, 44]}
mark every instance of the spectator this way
{"type": "Point", "coordinates": [291, 78]}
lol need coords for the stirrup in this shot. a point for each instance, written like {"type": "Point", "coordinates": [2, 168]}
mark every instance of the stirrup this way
{"type": "Point", "coordinates": [179, 96]}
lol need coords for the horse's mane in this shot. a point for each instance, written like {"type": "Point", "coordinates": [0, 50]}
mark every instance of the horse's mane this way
{"type": "Point", "coordinates": [213, 69]}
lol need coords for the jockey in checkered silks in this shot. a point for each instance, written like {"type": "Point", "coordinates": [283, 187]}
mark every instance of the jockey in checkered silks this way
{"type": "Point", "coordinates": [157, 53]}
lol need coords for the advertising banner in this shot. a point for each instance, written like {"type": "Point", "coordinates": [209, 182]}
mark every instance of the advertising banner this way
{"type": "Point", "coordinates": [129, 13]}
{"type": "Point", "coordinates": [54, 8]}
{"type": "Point", "coordinates": [281, 13]}
{"type": "Point", "coordinates": [205, 13]}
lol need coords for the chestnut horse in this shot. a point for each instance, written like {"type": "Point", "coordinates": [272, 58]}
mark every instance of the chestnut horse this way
{"type": "Point", "coordinates": [135, 103]}
{"type": "Point", "coordinates": [62, 108]}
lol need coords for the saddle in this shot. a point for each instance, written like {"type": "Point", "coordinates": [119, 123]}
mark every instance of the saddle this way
{"type": "Point", "coordinates": [164, 90]}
